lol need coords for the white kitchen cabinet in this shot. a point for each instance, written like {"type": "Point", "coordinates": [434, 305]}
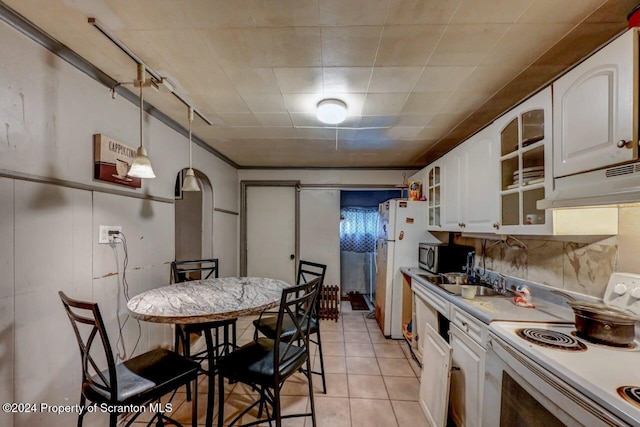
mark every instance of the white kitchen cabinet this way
{"type": "Point", "coordinates": [469, 179]}
{"type": "Point", "coordinates": [426, 306]}
{"type": "Point", "coordinates": [595, 109]}
{"type": "Point", "coordinates": [467, 379]}
{"type": "Point", "coordinates": [524, 165]}
{"type": "Point", "coordinates": [435, 376]}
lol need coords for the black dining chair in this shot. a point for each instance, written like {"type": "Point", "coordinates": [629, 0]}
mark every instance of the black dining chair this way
{"type": "Point", "coordinates": [265, 363]}
{"type": "Point", "coordinates": [307, 271]}
{"type": "Point", "coordinates": [137, 381]}
{"type": "Point", "coordinates": [202, 269]}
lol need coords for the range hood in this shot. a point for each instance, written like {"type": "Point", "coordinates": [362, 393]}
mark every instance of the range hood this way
{"type": "Point", "coordinates": [610, 186]}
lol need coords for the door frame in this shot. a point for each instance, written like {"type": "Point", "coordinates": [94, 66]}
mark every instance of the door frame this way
{"type": "Point", "coordinates": [243, 217]}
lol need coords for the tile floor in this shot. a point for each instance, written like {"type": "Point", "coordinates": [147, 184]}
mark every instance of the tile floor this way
{"type": "Point", "coordinates": [371, 381]}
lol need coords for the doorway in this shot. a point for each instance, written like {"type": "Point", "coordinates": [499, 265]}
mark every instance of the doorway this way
{"type": "Point", "coordinates": [270, 221]}
{"type": "Point", "coordinates": [193, 219]}
{"type": "Point", "coordinates": [358, 231]}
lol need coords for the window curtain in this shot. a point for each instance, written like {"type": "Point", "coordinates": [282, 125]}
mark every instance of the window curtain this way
{"type": "Point", "coordinates": [358, 229]}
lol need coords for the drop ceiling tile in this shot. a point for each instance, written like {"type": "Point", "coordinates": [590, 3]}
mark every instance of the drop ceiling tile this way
{"type": "Point", "coordinates": [421, 11]}
{"type": "Point", "coordinates": [227, 102]}
{"type": "Point", "coordinates": [383, 104]}
{"type": "Point", "coordinates": [373, 136]}
{"type": "Point", "coordinates": [471, 38]}
{"type": "Point", "coordinates": [304, 119]}
{"type": "Point", "coordinates": [316, 133]}
{"type": "Point", "coordinates": [524, 43]}
{"type": "Point", "coordinates": [150, 14]}
{"type": "Point", "coordinates": [426, 103]}
{"type": "Point", "coordinates": [293, 47]}
{"type": "Point", "coordinates": [448, 120]}
{"type": "Point", "coordinates": [238, 47]}
{"type": "Point", "coordinates": [301, 102]}
{"type": "Point", "coordinates": [462, 102]}
{"type": "Point", "coordinates": [430, 132]}
{"type": "Point", "coordinates": [439, 79]}
{"type": "Point", "coordinates": [571, 12]}
{"type": "Point", "coordinates": [495, 11]}
{"type": "Point", "coordinates": [415, 119]}
{"type": "Point", "coordinates": [265, 103]}
{"type": "Point", "coordinates": [273, 119]}
{"type": "Point", "coordinates": [393, 79]}
{"type": "Point", "coordinates": [490, 78]}
{"type": "Point", "coordinates": [353, 12]}
{"type": "Point", "coordinates": [239, 119]}
{"type": "Point", "coordinates": [265, 133]}
{"type": "Point", "coordinates": [250, 81]}
{"type": "Point", "coordinates": [346, 79]}
{"type": "Point", "coordinates": [284, 13]}
{"type": "Point", "coordinates": [407, 133]}
{"type": "Point", "coordinates": [407, 44]}
{"type": "Point", "coordinates": [299, 80]}
{"type": "Point", "coordinates": [456, 59]}
{"type": "Point", "coordinates": [349, 46]}
{"type": "Point", "coordinates": [218, 13]}
{"type": "Point", "coordinates": [373, 121]}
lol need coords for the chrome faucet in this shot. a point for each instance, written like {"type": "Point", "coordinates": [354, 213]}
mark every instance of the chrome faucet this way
{"type": "Point", "coordinates": [500, 284]}
{"type": "Point", "coordinates": [470, 263]}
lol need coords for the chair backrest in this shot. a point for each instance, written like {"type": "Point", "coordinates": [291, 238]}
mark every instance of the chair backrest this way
{"type": "Point", "coordinates": [206, 267]}
{"type": "Point", "coordinates": [296, 307]}
{"type": "Point", "coordinates": [87, 324]}
{"type": "Point", "coordinates": [307, 271]}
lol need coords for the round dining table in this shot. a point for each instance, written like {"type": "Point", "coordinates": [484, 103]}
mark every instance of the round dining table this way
{"type": "Point", "coordinates": [208, 300]}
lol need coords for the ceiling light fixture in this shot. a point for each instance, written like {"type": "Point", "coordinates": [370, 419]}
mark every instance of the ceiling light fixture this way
{"type": "Point", "coordinates": [141, 166]}
{"type": "Point", "coordinates": [331, 111]}
{"type": "Point", "coordinates": [190, 182]}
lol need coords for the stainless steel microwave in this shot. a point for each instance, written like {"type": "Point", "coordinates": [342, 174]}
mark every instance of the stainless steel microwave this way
{"type": "Point", "coordinates": [442, 258]}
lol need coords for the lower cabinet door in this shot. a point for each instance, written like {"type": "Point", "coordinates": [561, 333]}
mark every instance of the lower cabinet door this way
{"type": "Point", "coordinates": [467, 379]}
{"type": "Point", "coordinates": [434, 382]}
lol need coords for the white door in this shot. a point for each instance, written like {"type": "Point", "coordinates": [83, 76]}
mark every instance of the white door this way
{"type": "Point", "coordinates": [480, 197]}
{"type": "Point", "coordinates": [271, 232]}
{"type": "Point", "coordinates": [593, 109]}
{"type": "Point", "coordinates": [452, 187]}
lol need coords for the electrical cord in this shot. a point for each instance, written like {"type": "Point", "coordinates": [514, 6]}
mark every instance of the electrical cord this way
{"type": "Point", "coordinates": [121, 351]}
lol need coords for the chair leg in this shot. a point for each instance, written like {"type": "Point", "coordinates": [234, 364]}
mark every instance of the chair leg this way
{"type": "Point", "coordinates": [220, 399]}
{"type": "Point", "coordinates": [182, 340]}
{"type": "Point", "coordinates": [277, 413]}
{"type": "Point", "coordinates": [311, 401]}
{"type": "Point", "coordinates": [324, 381]}
{"type": "Point", "coordinates": [211, 388]}
{"type": "Point", "coordinates": [194, 403]}
{"type": "Point", "coordinates": [83, 401]}
{"type": "Point", "coordinates": [113, 419]}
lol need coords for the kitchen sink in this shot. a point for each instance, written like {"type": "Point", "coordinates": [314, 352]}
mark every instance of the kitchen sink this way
{"type": "Point", "coordinates": [481, 291]}
{"type": "Point", "coordinates": [434, 279]}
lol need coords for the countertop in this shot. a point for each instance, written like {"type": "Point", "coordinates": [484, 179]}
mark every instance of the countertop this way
{"type": "Point", "coordinates": [548, 307]}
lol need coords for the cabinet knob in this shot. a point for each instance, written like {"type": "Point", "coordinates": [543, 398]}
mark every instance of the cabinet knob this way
{"type": "Point", "coordinates": [496, 225]}
{"type": "Point", "coordinates": [622, 143]}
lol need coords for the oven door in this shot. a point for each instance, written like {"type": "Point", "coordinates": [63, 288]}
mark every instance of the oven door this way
{"type": "Point", "coordinates": [518, 392]}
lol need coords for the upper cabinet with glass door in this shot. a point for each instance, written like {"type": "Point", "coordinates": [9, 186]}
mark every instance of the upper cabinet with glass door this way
{"type": "Point", "coordinates": [525, 166]}
{"type": "Point", "coordinates": [432, 189]}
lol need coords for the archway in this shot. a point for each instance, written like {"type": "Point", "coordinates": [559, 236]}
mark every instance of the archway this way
{"type": "Point", "coordinates": [194, 219]}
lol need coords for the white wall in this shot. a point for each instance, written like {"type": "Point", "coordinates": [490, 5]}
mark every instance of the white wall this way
{"type": "Point", "coordinates": [48, 233]}
{"type": "Point", "coordinates": [320, 207]}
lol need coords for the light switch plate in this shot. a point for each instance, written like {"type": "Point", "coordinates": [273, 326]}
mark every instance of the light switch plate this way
{"type": "Point", "coordinates": [103, 235]}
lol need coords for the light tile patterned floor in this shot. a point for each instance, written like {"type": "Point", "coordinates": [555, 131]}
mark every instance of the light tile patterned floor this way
{"type": "Point", "coordinates": [371, 381]}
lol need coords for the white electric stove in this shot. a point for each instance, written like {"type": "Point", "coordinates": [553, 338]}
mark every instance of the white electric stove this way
{"type": "Point", "coordinates": [544, 372]}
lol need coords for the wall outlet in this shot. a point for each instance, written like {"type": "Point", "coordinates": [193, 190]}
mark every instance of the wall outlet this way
{"type": "Point", "coordinates": [103, 235]}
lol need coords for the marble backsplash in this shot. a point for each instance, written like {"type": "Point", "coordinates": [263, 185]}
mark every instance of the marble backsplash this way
{"type": "Point", "coordinates": [579, 267]}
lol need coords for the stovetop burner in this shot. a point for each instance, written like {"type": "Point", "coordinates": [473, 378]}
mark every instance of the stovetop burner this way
{"type": "Point", "coordinates": [631, 346]}
{"type": "Point", "coordinates": [630, 393]}
{"type": "Point", "coordinates": [551, 339]}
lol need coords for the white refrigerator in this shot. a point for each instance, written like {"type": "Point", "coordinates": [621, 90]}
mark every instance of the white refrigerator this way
{"type": "Point", "coordinates": [402, 224]}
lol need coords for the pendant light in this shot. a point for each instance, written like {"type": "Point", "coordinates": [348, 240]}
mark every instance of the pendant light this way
{"type": "Point", "coordinates": [190, 182]}
{"type": "Point", "coordinates": [141, 166]}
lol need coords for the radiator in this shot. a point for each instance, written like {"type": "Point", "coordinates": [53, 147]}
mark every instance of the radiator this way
{"type": "Point", "coordinates": [330, 303]}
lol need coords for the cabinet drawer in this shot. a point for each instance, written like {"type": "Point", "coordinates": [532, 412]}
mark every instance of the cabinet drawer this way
{"type": "Point", "coordinates": [470, 325]}
{"type": "Point", "coordinates": [439, 303]}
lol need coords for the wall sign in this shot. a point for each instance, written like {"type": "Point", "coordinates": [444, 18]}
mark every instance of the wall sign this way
{"type": "Point", "coordinates": [111, 161]}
